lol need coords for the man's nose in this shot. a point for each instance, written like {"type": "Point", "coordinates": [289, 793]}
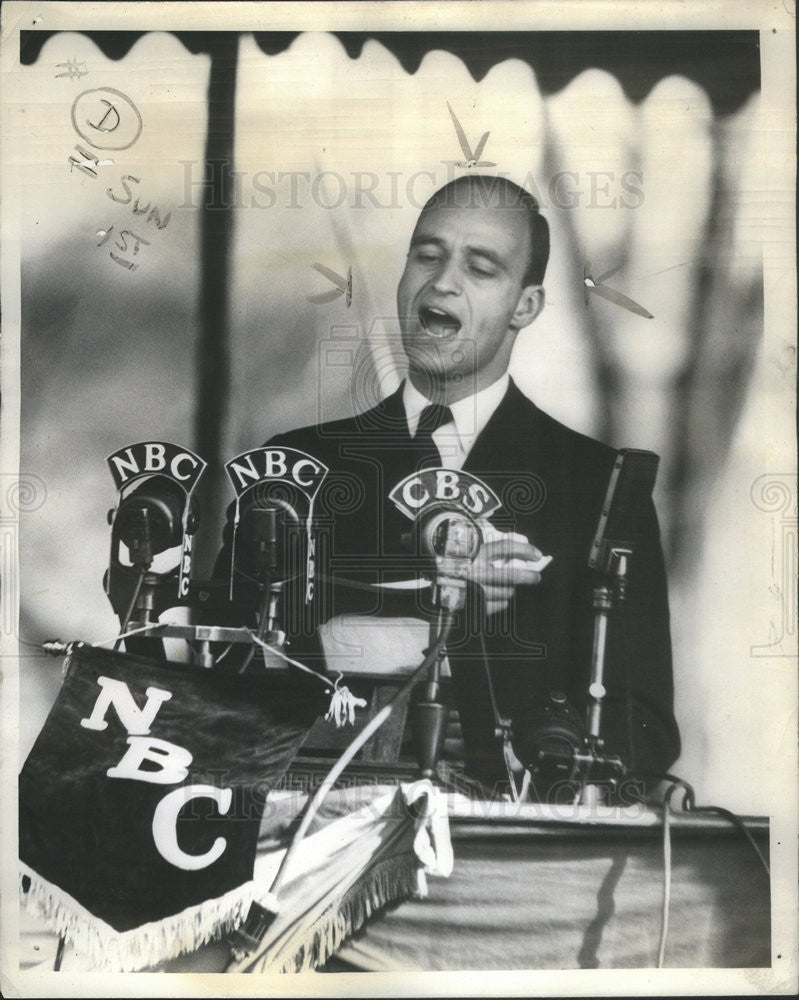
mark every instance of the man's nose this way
{"type": "Point", "coordinates": [448, 278]}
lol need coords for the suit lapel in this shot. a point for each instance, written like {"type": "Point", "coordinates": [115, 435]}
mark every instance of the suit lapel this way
{"type": "Point", "coordinates": [387, 418]}
{"type": "Point", "coordinates": [508, 441]}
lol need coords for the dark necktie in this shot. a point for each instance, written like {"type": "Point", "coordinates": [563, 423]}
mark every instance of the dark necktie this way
{"type": "Point", "coordinates": [426, 452]}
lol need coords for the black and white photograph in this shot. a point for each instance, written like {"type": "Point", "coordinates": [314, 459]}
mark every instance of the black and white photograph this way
{"type": "Point", "coordinates": [398, 503]}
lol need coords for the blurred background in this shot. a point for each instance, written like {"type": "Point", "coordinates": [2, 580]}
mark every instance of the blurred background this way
{"type": "Point", "coordinates": [166, 295]}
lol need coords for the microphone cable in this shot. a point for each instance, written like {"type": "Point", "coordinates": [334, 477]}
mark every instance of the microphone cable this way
{"type": "Point", "coordinates": [502, 727]}
{"type": "Point", "coordinates": [688, 795]}
{"type": "Point", "coordinates": [740, 826]}
{"type": "Point", "coordinates": [689, 806]}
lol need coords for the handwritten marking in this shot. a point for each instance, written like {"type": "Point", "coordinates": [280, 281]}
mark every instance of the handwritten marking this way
{"type": "Point", "coordinates": [83, 164]}
{"type": "Point", "coordinates": [126, 128]}
{"type": "Point", "coordinates": [73, 70]}
{"type": "Point", "coordinates": [122, 246]}
{"type": "Point", "coordinates": [111, 109]}
{"type": "Point", "coordinates": [137, 207]}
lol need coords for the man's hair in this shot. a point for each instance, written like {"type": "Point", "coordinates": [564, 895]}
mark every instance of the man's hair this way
{"type": "Point", "coordinates": [484, 190]}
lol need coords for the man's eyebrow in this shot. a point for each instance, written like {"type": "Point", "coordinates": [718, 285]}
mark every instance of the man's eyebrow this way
{"type": "Point", "coordinates": [489, 254]}
{"type": "Point", "coordinates": [421, 238]}
{"type": "Point", "coordinates": [473, 251]}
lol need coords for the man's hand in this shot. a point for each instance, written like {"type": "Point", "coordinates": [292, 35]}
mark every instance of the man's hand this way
{"type": "Point", "coordinates": [503, 565]}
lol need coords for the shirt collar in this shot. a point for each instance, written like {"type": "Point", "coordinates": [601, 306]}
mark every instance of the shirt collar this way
{"type": "Point", "coordinates": [470, 414]}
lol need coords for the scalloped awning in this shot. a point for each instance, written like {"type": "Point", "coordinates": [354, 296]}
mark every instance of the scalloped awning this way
{"type": "Point", "coordinates": [726, 64]}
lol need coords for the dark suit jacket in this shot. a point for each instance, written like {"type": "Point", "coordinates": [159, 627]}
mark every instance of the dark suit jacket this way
{"type": "Point", "coordinates": [551, 481]}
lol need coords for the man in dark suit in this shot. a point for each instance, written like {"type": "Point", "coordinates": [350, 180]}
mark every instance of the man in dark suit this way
{"type": "Point", "coordinates": [472, 280]}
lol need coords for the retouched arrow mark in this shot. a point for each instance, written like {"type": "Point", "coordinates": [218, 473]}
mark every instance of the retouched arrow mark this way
{"type": "Point", "coordinates": [343, 286]}
{"type": "Point", "coordinates": [597, 286]}
{"type": "Point", "coordinates": [472, 159]}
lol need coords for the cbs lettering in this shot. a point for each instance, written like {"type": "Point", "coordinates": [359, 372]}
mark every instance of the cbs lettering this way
{"type": "Point", "coordinates": [447, 486]}
{"type": "Point", "coordinates": [456, 489]}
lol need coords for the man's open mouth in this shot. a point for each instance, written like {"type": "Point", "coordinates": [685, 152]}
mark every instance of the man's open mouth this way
{"type": "Point", "coordinates": [438, 323]}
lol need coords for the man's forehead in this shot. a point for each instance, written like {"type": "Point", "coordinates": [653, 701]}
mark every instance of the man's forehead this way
{"type": "Point", "coordinates": [501, 225]}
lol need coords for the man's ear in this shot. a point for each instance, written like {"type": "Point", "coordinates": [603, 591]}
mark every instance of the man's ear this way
{"type": "Point", "coordinates": [531, 302]}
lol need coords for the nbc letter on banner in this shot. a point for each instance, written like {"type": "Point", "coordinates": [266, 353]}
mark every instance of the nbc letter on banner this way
{"type": "Point", "coordinates": [141, 800]}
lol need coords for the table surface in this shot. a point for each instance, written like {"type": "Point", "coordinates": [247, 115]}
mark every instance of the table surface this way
{"type": "Point", "coordinates": [543, 887]}
{"type": "Point", "coordinates": [563, 887]}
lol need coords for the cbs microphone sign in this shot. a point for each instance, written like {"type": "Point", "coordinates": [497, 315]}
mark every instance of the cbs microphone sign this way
{"type": "Point", "coordinates": [457, 490]}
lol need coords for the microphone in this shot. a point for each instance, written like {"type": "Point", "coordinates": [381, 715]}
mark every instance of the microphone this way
{"type": "Point", "coordinates": [269, 542]}
{"type": "Point", "coordinates": [452, 539]}
{"type": "Point", "coordinates": [551, 740]}
{"type": "Point", "coordinates": [155, 511]}
{"type": "Point", "coordinates": [626, 500]}
{"type": "Point", "coordinates": [444, 505]}
{"type": "Point", "coordinates": [272, 541]}
{"type": "Point", "coordinates": [556, 745]}
{"type": "Point", "coordinates": [270, 551]}
{"type": "Point", "coordinates": [149, 519]}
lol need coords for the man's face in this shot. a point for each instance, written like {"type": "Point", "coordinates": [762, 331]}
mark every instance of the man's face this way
{"type": "Point", "coordinates": [461, 298]}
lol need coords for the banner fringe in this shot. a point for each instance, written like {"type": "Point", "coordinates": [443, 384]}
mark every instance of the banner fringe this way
{"type": "Point", "coordinates": [146, 945]}
{"type": "Point", "coordinates": [389, 880]}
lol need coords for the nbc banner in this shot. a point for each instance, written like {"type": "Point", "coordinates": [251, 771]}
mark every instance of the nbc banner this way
{"type": "Point", "coordinates": [150, 823]}
{"type": "Point", "coordinates": [141, 800]}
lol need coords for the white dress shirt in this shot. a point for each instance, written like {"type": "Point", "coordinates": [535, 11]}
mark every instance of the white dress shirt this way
{"type": "Point", "coordinates": [454, 440]}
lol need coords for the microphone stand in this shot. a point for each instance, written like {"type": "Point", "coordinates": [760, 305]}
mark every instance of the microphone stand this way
{"type": "Point", "coordinates": [453, 541]}
{"type": "Point", "coordinates": [266, 534]}
{"type": "Point", "coordinates": [608, 598]}
{"type": "Point", "coordinates": [145, 590]}
{"type": "Point", "coordinates": [429, 715]}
